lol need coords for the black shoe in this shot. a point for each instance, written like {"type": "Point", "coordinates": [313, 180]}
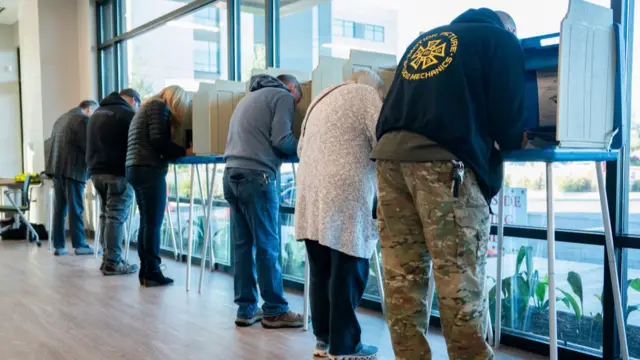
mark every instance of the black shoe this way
{"type": "Point", "coordinates": [155, 278]}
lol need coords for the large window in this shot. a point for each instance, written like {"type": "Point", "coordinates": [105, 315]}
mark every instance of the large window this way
{"type": "Point", "coordinates": [138, 12]}
{"type": "Point", "coordinates": [253, 53]}
{"type": "Point", "coordinates": [634, 170]}
{"type": "Point", "coordinates": [182, 52]}
{"type": "Point", "coordinates": [333, 28]}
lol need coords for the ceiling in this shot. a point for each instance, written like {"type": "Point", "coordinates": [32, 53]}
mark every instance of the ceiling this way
{"type": "Point", "coordinates": [10, 13]}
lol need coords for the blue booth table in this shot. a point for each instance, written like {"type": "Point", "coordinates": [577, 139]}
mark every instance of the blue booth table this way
{"type": "Point", "coordinates": [195, 162]}
{"type": "Point", "coordinates": [549, 157]}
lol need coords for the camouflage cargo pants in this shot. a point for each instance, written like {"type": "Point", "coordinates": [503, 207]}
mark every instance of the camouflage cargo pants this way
{"type": "Point", "coordinates": [420, 221]}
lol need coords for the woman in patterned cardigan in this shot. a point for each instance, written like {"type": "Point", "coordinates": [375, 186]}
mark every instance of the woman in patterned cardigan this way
{"type": "Point", "coordinates": [336, 186]}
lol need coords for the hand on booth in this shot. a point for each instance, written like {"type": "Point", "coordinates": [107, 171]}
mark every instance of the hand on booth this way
{"type": "Point", "coordinates": [189, 152]}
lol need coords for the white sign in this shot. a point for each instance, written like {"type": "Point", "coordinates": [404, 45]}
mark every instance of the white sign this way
{"type": "Point", "coordinates": [515, 211]}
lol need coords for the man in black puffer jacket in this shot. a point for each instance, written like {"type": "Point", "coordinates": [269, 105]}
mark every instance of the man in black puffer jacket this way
{"type": "Point", "coordinates": [107, 135]}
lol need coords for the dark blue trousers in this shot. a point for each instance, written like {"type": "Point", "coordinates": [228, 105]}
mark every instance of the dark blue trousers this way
{"type": "Point", "coordinates": [150, 186]}
{"type": "Point", "coordinates": [338, 282]}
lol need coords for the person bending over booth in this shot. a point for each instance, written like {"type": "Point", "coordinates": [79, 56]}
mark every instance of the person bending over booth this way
{"type": "Point", "coordinates": [336, 186]}
{"type": "Point", "coordinates": [259, 136]}
{"type": "Point", "coordinates": [66, 165]}
{"type": "Point", "coordinates": [149, 150]}
{"type": "Point", "coordinates": [458, 91]}
{"type": "Point", "coordinates": [107, 136]}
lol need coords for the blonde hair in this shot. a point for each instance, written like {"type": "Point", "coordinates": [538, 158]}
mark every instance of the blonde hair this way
{"type": "Point", "coordinates": [370, 78]}
{"type": "Point", "coordinates": [178, 101]}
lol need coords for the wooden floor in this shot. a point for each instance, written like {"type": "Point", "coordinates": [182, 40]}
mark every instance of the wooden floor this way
{"type": "Point", "coordinates": [64, 309]}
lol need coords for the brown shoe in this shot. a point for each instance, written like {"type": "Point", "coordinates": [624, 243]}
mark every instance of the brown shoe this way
{"type": "Point", "coordinates": [284, 320]}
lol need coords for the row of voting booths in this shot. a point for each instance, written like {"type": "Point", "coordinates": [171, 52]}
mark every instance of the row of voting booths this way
{"type": "Point", "coordinates": [213, 103]}
{"type": "Point", "coordinates": [574, 102]}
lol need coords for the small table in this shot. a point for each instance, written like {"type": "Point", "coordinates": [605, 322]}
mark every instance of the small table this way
{"type": "Point", "coordinates": [14, 187]}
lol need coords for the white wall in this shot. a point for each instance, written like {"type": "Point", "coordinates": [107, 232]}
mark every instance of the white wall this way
{"type": "Point", "coordinates": [10, 138]}
{"type": "Point", "coordinates": [58, 63]}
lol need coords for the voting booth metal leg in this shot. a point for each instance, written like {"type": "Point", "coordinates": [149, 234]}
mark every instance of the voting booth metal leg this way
{"type": "Point", "coordinates": [431, 292]}
{"type": "Point", "coordinates": [207, 232]}
{"type": "Point", "coordinates": [613, 270]}
{"type": "Point", "coordinates": [498, 319]}
{"type": "Point", "coordinates": [171, 231]}
{"type": "Point", "coordinates": [376, 262]}
{"type": "Point", "coordinates": [129, 229]}
{"type": "Point", "coordinates": [488, 329]}
{"type": "Point", "coordinates": [551, 256]}
{"type": "Point", "coordinates": [190, 228]}
{"type": "Point", "coordinates": [175, 179]}
{"type": "Point", "coordinates": [213, 187]}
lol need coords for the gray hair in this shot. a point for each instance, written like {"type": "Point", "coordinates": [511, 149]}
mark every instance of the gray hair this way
{"type": "Point", "coordinates": [370, 78]}
{"type": "Point", "coordinates": [508, 21]}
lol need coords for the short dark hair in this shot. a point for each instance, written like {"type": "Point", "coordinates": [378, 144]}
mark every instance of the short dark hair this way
{"type": "Point", "coordinates": [131, 93]}
{"type": "Point", "coordinates": [86, 104]}
{"type": "Point", "coordinates": [290, 80]}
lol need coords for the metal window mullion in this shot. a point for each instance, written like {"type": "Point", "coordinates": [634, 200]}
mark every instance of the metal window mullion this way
{"type": "Point", "coordinates": [272, 32]}
{"type": "Point", "coordinates": [233, 40]}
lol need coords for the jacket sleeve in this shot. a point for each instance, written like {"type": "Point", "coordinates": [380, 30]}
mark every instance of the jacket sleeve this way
{"type": "Point", "coordinates": [80, 134]}
{"type": "Point", "coordinates": [282, 137]}
{"type": "Point", "coordinates": [372, 113]}
{"type": "Point", "coordinates": [506, 92]}
{"type": "Point", "coordinates": [160, 132]}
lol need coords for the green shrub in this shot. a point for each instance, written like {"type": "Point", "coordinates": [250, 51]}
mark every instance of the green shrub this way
{"type": "Point", "coordinates": [635, 186]}
{"type": "Point", "coordinates": [577, 184]}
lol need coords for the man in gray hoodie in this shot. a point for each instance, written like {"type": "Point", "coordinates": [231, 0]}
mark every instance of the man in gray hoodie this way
{"type": "Point", "coordinates": [260, 135]}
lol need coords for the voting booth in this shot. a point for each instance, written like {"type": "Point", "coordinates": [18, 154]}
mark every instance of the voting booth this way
{"type": "Point", "coordinates": [574, 104]}
{"type": "Point", "coordinates": [214, 103]}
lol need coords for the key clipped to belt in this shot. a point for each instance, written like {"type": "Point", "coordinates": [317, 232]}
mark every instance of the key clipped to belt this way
{"type": "Point", "coordinates": [457, 176]}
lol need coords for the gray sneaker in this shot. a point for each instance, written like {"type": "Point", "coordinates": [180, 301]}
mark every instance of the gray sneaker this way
{"type": "Point", "coordinates": [367, 352]}
{"type": "Point", "coordinates": [84, 250]}
{"type": "Point", "coordinates": [120, 268]}
{"type": "Point", "coordinates": [284, 320]}
{"type": "Point", "coordinates": [61, 252]}
{"type": "Point", "coordinates": [244, 322]}
{"type": "Point", "coordinates": [321, 350]}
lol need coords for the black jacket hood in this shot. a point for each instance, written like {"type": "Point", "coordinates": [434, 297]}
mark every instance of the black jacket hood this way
{"type": "Point", "coordinates": [114, 99]}
{"type": "Point", "coordinates": [265, 81]}
{"type": "Point", "coordinates": [480, 16]}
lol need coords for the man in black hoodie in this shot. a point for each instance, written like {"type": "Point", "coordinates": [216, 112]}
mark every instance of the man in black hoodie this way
{"type": "Point", "coordinates": [457, 97]}
{"type": "Point", "coordinates": [107, 134]}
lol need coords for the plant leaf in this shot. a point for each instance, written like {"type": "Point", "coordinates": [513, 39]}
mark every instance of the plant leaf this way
{"type": "Point", "coordinates": [630, 309]}
{"type": "Point", "coordinates": [541, 292]}
{"type": "Point", "coordinates": [529, 253]}
{"type": "Point", "coordinates": [568, 298]}
{"type": "Point", "coordinates": [635, 284]}
{"type": "Point", "coordinates": [521, 255]}
{"type": "Point", "coordinates": [598, 317]}
{"type": "Point", "coordinates": [575, 281]}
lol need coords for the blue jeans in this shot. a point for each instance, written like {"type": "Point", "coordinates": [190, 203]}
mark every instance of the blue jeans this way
{"type": "Point", "coordinates": [253, 199]}
{"type": "Point", "coordinates": [150, 186]}
{"type": "Point", "coordinates": [116, 196]}
{"type": "Point", "coordinates": [69, 195]}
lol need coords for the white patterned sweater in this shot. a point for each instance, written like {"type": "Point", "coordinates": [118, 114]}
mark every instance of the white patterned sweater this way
{"type": "Point", "coordinates": [336, 180]}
